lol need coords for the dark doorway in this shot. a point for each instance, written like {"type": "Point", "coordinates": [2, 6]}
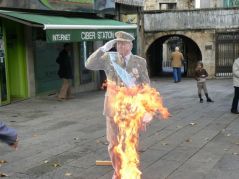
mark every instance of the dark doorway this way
{"type": "Point", "coordinates": [158, 55]}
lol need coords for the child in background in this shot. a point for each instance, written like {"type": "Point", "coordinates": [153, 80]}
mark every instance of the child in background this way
{"type": "Point", "coordinates": [201, 75]}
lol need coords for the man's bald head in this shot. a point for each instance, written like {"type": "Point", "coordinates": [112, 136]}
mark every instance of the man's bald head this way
{"type": "Point", "coordinates": [177, 49]}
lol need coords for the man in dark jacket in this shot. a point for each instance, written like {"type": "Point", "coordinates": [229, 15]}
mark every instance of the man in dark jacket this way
{"type": "Point", "coordinates": [65, 72]}
{"type": "Point", "coordinates": [8, 135]}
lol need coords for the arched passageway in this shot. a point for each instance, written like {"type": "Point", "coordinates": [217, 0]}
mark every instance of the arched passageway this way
{"type": "Point", "coordinates": [159, 52]}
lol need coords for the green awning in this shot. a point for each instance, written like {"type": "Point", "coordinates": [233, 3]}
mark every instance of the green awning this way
{"type": "Point", "coordinates": [70, 29]}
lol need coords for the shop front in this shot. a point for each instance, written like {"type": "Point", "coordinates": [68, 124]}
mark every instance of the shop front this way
{"type": "Point", "coordinates": [13, 75]}
{"type": "Point", "coordinates": [42, 38]}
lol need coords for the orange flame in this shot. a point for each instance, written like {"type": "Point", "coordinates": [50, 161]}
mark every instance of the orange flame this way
{"type": "Point", "coordinates": [131, 105]}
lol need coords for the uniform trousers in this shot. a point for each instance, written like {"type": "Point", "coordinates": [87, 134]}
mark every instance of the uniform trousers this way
{"type": "Point", "coordinates": [111, 134]}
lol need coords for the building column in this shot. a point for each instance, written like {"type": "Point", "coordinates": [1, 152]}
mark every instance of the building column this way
{"type": "Point", "coordinates": [210, 60]}
{"type": "Point", "coordinates": [141, 40]}
{"type": "Point", "coordinates": [76, 65]}
{"type": "Point", "coordinates": [30, 61]}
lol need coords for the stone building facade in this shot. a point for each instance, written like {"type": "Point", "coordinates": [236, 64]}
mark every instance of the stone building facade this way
{"type": "Point", "coordinates": [168, 4]}
{"type": "Point", "coordinates": [209, 34]}
{"type": "Point", "coordinates": [187, 4]}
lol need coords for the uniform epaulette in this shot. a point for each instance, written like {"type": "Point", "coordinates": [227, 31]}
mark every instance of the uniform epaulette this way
{"type": "Point", "coordinates": [140, 58]}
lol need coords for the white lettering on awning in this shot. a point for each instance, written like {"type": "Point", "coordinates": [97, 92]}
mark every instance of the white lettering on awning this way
{"type": "Point", "coordinates": [105, 35]}
{"type": "Point", "coordinates": [83, 36]}
{"type": "Point", "coordinates": [87, 35]}
{"type": "Point", "coordinates": [61, 37]}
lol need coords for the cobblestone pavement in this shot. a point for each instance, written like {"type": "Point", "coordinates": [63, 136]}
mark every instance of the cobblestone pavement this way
{"type": "Point", "coordinates": [61, 140]}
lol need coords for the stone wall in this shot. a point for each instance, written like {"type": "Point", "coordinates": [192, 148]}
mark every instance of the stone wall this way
{"type": "Point", "coordinates": [151, 5]}
{"type": "Point", "coordinates": [131, 2]}
{"type": "Point", "coordinates": [211, 3]}
{"type": "Point", "coordinates": [192, 20]}
{"type": "Point", "coordinates": [186, 4]}
{"type": "Point", "coordinates": [199, 25]}
{"type": "Point", "coordinates": [202, 38]}
{"type": "Point", "coordinates": [181, 4]}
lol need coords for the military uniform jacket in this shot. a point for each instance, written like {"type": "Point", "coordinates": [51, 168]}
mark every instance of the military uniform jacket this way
{"type": "Point", "coordinates": [136, 67]}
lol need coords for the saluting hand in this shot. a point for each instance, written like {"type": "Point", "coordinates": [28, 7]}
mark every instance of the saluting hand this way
{"type": "Point", "coordinates": [108, 45]}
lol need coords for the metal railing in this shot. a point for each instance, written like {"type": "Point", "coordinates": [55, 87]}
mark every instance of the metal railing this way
{"type": "Point", "coordinates": [227, 50]}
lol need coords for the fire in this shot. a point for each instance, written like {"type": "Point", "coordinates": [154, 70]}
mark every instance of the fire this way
{"type": "Point", "coordinates": [130, 105]}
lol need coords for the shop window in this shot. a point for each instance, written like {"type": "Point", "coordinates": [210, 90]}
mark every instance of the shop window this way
{"type": "Point", "coordinates": [86, 49]}
{"type": "Point", "coordinates": [46, 67]}
{"type": "Point", "coordinates": [167, 6]}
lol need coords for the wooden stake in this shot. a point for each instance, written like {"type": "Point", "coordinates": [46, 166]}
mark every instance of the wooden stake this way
{"type": "Point", "coordinates": [103, 163]}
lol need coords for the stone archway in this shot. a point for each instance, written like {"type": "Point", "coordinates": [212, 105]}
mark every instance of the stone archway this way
{"type": "Point", "coordinates": [155, 54]}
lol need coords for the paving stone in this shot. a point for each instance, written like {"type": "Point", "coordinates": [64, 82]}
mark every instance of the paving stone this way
{"type": "Point", "coordinates": [227, 167]}
{"type": "Point", "coordinates": [72, 133]}
{"type": "Point", "coordinates": [160, 169]}
{"type": "Point", "coordinates": [65, 172]}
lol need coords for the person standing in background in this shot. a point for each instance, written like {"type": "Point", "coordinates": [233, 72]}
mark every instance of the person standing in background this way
{"type": "Point", "coordinates": [235, 71]}
{"type": "Point", "coordinates": [65, 72]}
{"type": "Point", "coordinates": [176, 62]}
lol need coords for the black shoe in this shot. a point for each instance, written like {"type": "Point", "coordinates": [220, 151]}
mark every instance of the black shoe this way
{"type": "Point", "coordinates": [201, 100]}
{"type": "Point", "coordinates": [209, 100]}
{"type": "Point", "coordinates": [234, 112]}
